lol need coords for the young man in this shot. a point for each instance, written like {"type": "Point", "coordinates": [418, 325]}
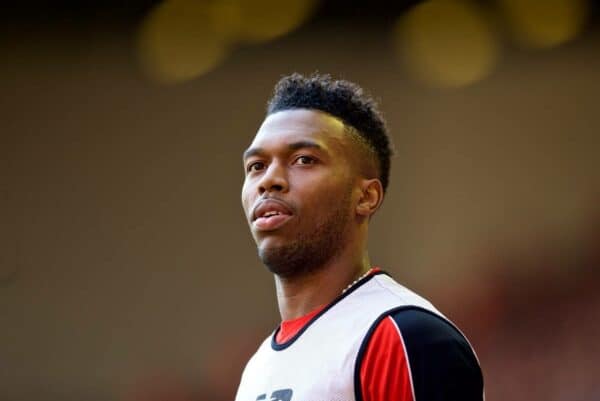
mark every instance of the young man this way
{"type": "Point", "coordinates": [316, 172]}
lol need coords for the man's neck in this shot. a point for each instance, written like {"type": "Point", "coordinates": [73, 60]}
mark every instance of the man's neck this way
{"type": "Point", "coordinates": [297, 296]}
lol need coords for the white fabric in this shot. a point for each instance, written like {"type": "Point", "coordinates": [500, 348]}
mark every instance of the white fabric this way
{"type": "Point", "coordinates": [320, 364]}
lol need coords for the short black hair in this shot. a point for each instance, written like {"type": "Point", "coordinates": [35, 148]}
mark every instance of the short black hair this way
{"type": "Point", "coordinates": [344, 100]}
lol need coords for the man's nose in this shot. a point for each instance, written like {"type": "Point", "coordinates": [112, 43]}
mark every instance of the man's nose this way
{"type": "Point", "coordinates": [274, 179]}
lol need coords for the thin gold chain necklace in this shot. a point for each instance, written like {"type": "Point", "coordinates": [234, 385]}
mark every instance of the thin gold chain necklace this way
{"type": "Point", "coordinates": [357, 280]}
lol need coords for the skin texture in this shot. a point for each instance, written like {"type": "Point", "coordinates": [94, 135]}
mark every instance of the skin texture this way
{"type": "Point", "coordinates": [308, 163]}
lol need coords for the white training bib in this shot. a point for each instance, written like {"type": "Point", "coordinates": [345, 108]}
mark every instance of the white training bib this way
{"type": "Point", "coordinates": [319, 363]}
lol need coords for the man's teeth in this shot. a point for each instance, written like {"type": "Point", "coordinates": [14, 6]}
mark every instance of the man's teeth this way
{"type": "Point", "coordinates": [269, 214]}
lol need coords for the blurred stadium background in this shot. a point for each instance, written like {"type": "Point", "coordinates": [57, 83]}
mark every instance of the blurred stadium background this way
{"type": "Point", "coordinates": [127, 271]}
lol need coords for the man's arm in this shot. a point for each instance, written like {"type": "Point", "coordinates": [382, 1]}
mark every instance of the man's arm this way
{"type": "Point", "coordinates": [415, 355]}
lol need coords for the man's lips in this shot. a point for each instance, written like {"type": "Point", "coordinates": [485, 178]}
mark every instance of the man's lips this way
{"type": "Point", "coordinates": [271, 214]}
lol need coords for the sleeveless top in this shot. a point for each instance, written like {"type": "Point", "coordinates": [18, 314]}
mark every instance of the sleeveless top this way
{"type": "Point", "coordinates": [320, 363]}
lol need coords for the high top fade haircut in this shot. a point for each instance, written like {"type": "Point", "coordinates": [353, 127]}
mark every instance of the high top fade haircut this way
{"type": "Point", "coordinates": [344, 100]}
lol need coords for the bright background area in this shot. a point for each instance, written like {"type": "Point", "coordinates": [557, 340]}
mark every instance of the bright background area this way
{"type": "Point", "coordinates": [127, 271]}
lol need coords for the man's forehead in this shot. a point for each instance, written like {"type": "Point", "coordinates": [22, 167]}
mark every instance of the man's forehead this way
{"type": "Point", "coordinates": [299, 124]}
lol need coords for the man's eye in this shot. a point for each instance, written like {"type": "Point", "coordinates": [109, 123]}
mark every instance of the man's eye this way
{"type": "Point", "coordinates": [305, 160]}
{"type": "Point", "coordinates": [255, 166]}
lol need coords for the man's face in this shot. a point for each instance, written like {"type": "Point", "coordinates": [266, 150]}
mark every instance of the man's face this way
{"type": "Point", "coordinates": [298, 194]}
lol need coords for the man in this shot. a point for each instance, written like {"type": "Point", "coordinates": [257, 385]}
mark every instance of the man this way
{"type": "Point", "coordinates": [316, 172]}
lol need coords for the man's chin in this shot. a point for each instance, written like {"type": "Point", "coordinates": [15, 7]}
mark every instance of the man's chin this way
{"type": "Point", "coordinates": [271, 241]}
{"type": "Point", "coordinates": [272, 249]}
{"type": "Point", "coordinates": [280, 257]}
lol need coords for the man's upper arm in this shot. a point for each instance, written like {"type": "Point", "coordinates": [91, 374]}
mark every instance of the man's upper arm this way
{"type": "Point", "coordinates": [415, 355]}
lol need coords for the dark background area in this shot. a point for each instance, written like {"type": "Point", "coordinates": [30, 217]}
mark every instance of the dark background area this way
{"type": "Point", "coordinates": [127, 271]}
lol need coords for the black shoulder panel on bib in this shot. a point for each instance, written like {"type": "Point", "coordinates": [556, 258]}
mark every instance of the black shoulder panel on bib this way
{"type": "Point", "coordinates": [442, 363]}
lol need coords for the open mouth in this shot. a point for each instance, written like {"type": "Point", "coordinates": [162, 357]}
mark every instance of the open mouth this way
{"type": "Point", "coordinates": [270, 215]}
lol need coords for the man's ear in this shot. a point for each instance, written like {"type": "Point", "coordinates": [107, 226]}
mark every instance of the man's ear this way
{"type": "Point", "coordinates": [371, 197]}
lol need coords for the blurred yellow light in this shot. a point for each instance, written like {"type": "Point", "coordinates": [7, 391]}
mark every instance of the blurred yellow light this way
{"type": "Point", "coordinates": [177, 41]}
{"type": "Point", "coordinates": [263, 20]}
{"type": "Point", "coordinates": [447, 43]}
{"type": "Point", "coordinates": [226, 17]}
{"type": "Point", "coordinates": [544, 23]}
{"type": "Point", "coordinates": [182, 39]}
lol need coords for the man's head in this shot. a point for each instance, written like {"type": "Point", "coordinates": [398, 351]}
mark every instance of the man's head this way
{"type": "Point", "coordinates": [346, 101]}
{"type": "Point", "coordinates": [315, 172]}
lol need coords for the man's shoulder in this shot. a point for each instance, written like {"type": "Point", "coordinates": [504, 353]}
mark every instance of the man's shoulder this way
{"type": "Point", "coordinates": [421, 326]}
{"type": "Point", "coordinates": [438, 358]}
{"type": "Point", "coordinates": [424, 327]}
{"type": "Point", "coordinates": [388, 294]}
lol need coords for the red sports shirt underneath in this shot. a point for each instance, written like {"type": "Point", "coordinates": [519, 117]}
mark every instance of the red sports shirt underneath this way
{"type": "Point", "coordinates": [289, 328]}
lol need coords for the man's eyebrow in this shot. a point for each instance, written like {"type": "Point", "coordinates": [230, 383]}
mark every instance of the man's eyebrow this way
{"type": "Point", "coordinates": [252, 152]}
{"type": "Point", "coordinates": [292, 146]}
{"type": "Point", "coordinates": [304, 144]}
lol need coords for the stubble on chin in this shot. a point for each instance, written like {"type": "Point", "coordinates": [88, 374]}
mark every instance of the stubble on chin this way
{"type": "Point", "coordinates": [310, 251]}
